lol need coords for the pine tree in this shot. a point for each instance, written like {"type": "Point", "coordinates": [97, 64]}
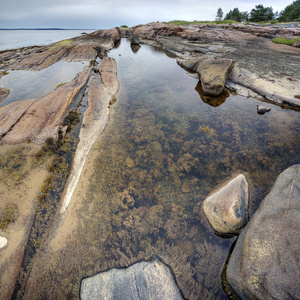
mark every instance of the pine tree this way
{"type": "Point", "coordinates": [261, 13]}
{"type": "Point", "coordinates": [291, 12]}
{"type": "Point", "coordinates": [219, 16]}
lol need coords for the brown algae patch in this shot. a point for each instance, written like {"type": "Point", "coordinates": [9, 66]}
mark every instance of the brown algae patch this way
{"type": "Point", "coordinates": [20, 180]}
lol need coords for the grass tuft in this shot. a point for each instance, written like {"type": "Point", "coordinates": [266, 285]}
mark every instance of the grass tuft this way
{"type": "Point", "coordinates": [284, 41]}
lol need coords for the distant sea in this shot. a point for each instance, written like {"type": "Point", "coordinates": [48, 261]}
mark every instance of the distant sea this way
{"type": "Point", "coordinates": [13, 39]}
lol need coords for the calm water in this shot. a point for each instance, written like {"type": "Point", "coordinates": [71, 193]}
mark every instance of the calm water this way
{"type": "Point", "coordinates": [163, 151]}
{"type": "Point", "coordinates": [25, 85]}
{"type": "Point", "coordinates": [14, 39]}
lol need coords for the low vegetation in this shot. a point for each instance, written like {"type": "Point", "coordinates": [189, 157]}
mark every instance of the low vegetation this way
{"type": "Point", "coordinates": [182, 22]}
{"type": "Point", "coordinates": [63, 42]}
{"type": "Point", "coordinates": [285, 41]}
{"type": "Point", "coordinates": [8, 215]}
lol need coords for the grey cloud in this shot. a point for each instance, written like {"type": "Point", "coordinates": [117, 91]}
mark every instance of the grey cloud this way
{"type": "Point", "coordinates": [106, 14]}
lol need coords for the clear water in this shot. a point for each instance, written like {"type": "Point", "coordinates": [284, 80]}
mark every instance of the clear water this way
{"type": "Point", "coordinates": [163, 151]}
{"type": "Point", "coordinates": [25, 85]}
{"type": "Point", "coordinates": [14, 39]}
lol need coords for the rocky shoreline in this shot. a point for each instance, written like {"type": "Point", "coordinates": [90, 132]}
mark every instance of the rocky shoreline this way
{"type": "Point", "coordinates": [236, 58]}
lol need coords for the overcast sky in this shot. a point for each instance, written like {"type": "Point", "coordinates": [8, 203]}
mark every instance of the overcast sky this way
{"type": "Point", "coordinates": [100, 14]}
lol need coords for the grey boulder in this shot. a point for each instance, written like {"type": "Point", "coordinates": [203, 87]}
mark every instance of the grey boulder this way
{"type": "Point", "coordinates": [143, 280]}
{"type": "Point", "coordinates": [213, 74]}
{"type": "Point", "coordinates": [265, 261]}
{"type": "Point", "coordinates": [227, 209]}
{"type": "Point", "coordinates": [135, 40]}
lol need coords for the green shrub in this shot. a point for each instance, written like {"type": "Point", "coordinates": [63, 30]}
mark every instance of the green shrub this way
{"type": "Point", "coordinates": [285, 41]}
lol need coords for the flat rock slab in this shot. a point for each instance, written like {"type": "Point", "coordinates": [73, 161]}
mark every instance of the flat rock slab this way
{"type": "Point", "coordinates": [213, 74]}
{"type": "Point", "coordinates": [265, 261]}
{"type": "Point", "coordinates": [143, 280]}
{"type": "Point", "coordinates": [226, 209]}
{"type": "Point", "coordinates": [38, 119]}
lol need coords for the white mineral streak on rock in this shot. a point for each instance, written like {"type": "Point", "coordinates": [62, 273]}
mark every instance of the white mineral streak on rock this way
{"type": "Point", "coordinates": [95, 119]}
{"type": "Point", "coordinates": [3, 242]}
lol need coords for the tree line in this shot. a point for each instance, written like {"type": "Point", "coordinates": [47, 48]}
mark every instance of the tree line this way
{"type": "Point", "coordinates": [262, 14]}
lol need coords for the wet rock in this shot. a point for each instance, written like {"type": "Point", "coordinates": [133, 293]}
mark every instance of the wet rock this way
{"type": "Point", "coordinates": [134, 40]}
{"type": "Point", "coordinates": [226, 209]}
{"type": "Point", "coordinates": [3, 242]}
{"type": "Point", "coordinates": [4, 92]}
{"type": "Point", "coordinates": [36, 120]}
{"type": "Point", "coordinates": [265, 261]}
{"type": "Point", "coordinates": [213, 74]}
{"type": "Point", "coordinates": [189, 64]}
{"type": "Point", "coordinates": [214, 101]}
{"type": "Point", "coordinates": [102, 90]}
{"type": "Point", "coordinates": [143, 280]}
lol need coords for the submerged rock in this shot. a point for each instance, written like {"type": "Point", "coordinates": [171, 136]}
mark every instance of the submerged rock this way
{"type": "Point", "coordinates": [143, 280]}
{"type": "Point", "coordinates": [226, 209]}
{"type": "Point", "coordinates": [102, 90]}
{"type": "Point", "coordinates": [265, 261]}
{"type": "Point", "coordinates": [213, 74]}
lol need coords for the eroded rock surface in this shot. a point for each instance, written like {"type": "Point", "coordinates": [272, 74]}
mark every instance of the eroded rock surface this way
{"type": "Point", "coordinates": [36, 120]}
{"type": "Point", "coordinates": [262, 68]}
{"type": "Point", "coordinates": [265, 261]}
{"type": "Point", "coordinates": [102, 90]}
{"type": "Point", "coordinates": [143, 280]}
{"type": "Point", "coordinates": [227, 209]}
{"type": "Point", "coordinates": [213, 74]}
{"type": "Point", "coordinates": [76, 49]}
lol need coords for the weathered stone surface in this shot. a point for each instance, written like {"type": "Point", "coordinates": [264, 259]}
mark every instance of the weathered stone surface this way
{"type": "Point", "coordinates": [226, 209]}
{"type": "Point", "coordinates": [108, 37]}
{"type": "Point", "coordinates": [75, 49]}
{"type": "Point", "coordinates": [3, 242]}
{"type": "Point", "coordinates": [265, 261]}
{"type": "Point", "coordinates": [95, 119]}
{"type": "Point", "coordinates": [143, 280]}
{"type": "Point", "coordinates": [4, 92]}
{"type": "Point", "coordinates": [36, 120]}
{"type": "Point", "coordinates": [134, 40]}
{"type": "Point", "coordinates": [279, 90]}
{"type": "Point", "coordinates": [213, 74]}
{"type": "Point", "coordinates": [189, 64]}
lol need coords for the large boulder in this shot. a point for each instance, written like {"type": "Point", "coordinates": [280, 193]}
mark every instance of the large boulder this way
{"type": "Point", "coordinates": [227, 209]}
{"type": "Point", "coordinates": [135, 40]}
{"type": "Point", "coordinates": [213, 74]}
{"type": "Point", "coordinates": [143, 280]}
{"type": "Point", "coordinates": [265, 261]}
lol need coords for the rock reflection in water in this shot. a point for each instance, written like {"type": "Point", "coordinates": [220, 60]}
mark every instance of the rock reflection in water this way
{"type": "Point", "coordinates": [213, 101]}
{"type": "Point", "coordinates": [161, 154]}
{"type": "Point", "coordinates": [135, 48]}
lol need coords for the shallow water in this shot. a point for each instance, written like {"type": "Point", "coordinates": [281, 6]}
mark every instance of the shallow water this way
{"type": "Point", "coordinates": [25, 85]}
{"type": "Point", "coordinates": [163, 151]}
